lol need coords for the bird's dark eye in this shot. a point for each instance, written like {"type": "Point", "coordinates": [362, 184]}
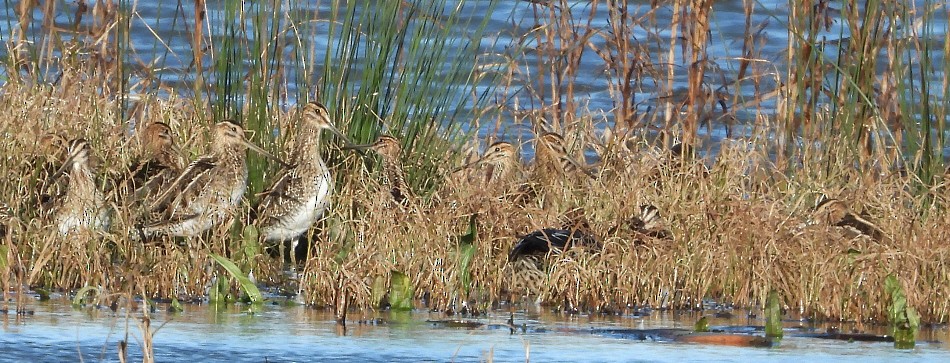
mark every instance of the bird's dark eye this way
{"type": "Point", "coordinates": [497, 149]}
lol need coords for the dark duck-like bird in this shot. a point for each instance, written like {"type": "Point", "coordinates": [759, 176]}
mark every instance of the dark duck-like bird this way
{"type": "Point", "coordinates": [528, 258]}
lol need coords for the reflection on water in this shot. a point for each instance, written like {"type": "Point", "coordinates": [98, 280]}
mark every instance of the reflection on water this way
{"type": "Point", "coordinates": [57, 332]}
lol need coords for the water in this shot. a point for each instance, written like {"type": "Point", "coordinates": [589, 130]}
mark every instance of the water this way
{"type": "Point", "coordinates": [57, 332]}
{"type": "Point", "coordinates": [160, 36]}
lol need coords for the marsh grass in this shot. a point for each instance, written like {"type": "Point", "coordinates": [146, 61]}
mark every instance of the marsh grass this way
{"type": "Point", "coordinates": [860, 121]}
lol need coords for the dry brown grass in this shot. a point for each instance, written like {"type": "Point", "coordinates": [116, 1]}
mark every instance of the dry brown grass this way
{"type": "Point", "coordinates": [737, 233]}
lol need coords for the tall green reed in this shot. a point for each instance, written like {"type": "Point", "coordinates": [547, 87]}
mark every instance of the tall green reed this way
{"type": "Point", "coordinates": [407, 69]}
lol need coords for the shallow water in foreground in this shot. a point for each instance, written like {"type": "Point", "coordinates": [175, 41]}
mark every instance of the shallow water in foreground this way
{"type": "Point", "coordinates": [56, 332]}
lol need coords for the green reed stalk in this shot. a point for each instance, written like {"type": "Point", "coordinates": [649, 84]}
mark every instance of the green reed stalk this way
{"type": "Point", "coordinates": [400, 68]}
{"type": "Point", "coordinates": [122, 46]}
{"type": "Point", "coordinates": [924, 111]}
{"type": "Point", "coordinates": [227, 63]}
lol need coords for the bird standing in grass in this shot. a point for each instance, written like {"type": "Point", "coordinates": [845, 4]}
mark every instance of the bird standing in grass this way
{"type": "Point", "coordinates": [84, 208]}
{"type": "Point", "coordinates": [158, 167]}
{"type": "Point", "coordinates": [834, 212]}
{"type": "Point", "coordinates": [552, 159]}
{"type": "Point", "coordinates": [555, 173]}
{"type": "Point", "coordinates": [6, 216]}
{"type": "Point", "coordinates": [207, 191]}
{"type": "Point", "coordinates": [393, 174]}
{"type": "Point", "coordinates": [300, 195]}
{"type": "Point", "coordinates": [501, 162]}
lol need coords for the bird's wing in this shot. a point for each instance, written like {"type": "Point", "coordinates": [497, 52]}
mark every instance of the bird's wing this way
{"type": "Point", "coordinates": [861, 225]}
{"type": "Point", "coordinates": [539, 242]}
{"type": "Point", "coordinates": [138, 173]}
{"type": "Point", "coordinates": [276, 195]}
{"type": "Point", "coordinates": [186, 187]}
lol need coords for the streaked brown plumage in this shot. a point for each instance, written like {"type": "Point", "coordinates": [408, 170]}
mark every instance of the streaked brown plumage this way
{"type": "Point", "coordinates": [393, 175]}
{"type": "Point", "coordinates": [207, 191]}
{"type": "Point", "coordinates": [834, 212]}
{"type": "Point", "coordinates": [84, 208]}
{"type": "Point", "coordinates": [647, 225]}
{"type": "Point", "coordinates": [501, 162]}
{"type": "Point", "coordinates": [158, 166]}
{"type": "Point", "coordinates": [299, 197]}
{"type": "Point", "coordinates": [6, 217]}
{"type": "Point", "coordinates": [552, 159]}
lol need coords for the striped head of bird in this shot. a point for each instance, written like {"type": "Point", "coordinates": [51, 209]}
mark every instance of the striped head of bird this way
{"type": "Point", "coordinates": [551, 143]}
{"type": "Point", "coordinates": [228, 135]}
{"type": "Point", "coordinates": [387, 147]}
{"type": "Point", "coordinates": [315, 119]}
{"type": "Point", "coordinates": [159, 143]}
{"type": "Point", "coordinates": [551, 156]}
{"type": "Point", "coordinates": [502, 158]}
{"type": "Point", "coordinates": [229, 140]}
{"type": "Point", "coordinates": [78, 157]}
{"type": "Point", "coordinates": [829, 211]}
{"type": "Point", "coordinates": [500, 154]}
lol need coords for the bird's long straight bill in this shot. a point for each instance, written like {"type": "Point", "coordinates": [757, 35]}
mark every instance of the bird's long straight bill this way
{"type": "Point", "coordinates": [68, 163]}
{"type": "Point", "coordinates": [347, 144]}
{"type": "Point", "coordinates": [357, 147]}
{"type": "Point", "coordinates": [261, 151]}
{"type": "Point", "coordinates": [469, 165]}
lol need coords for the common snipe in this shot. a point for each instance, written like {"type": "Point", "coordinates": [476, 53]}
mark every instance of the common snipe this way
{"type": "Point", "coordinates": [648, 225]}
{"type": "Point", "coordinates": [84, 207]}
{"type": "Point", "coordinates": [302, 193]}
{"type": "Point", "coordinates": [205, 194]}
{"type": "Point", "coordinates": [393, 175]}
{"type": "Point", "coordinates": [158, 166]}
{"type": "Point", "coordinates": [834, 212]}
{"type": "Point", "coordinates": [6, 216]}
{"type": "Point", "coordinates": [501, 162]}
{"type": "Point", "coordinates": [552, 160]}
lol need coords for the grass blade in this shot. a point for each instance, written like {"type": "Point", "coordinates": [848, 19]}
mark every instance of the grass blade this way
{"type": "Point", "coordinates": [253, 293]}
